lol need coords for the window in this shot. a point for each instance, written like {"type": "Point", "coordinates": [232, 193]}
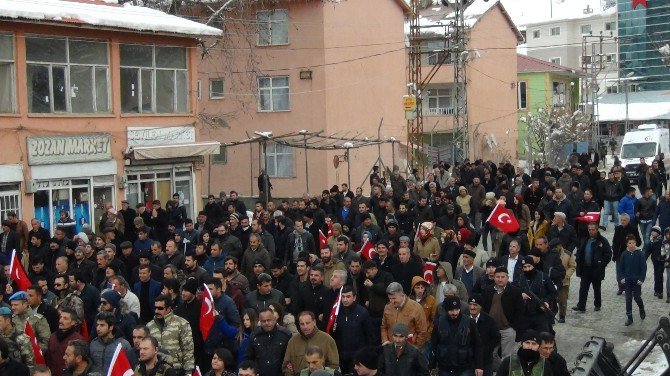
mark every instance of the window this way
{"type": "Point", "coordinates": [222, 157]}
{"type": "Point", "coordinates": [612, 89]}
{"type": "Point", "coordinates": [7, 92]}
{"type": "Point", "coordinates": [154, 79]}
{"type": "Point", "coordinates": [522, 95]}
{"type": "Point", "coordinates": [587, 60]}
{"type": "Point", "coordinates": [555, 31]}
{"type": "Point", "coordinates": [199, 89]}
{"type": "Point", "coordinates": [558, 94]}
{"type": "Point", "coordinates": [279, 159]}
{"type": "Point", "coordinates": [10, 200]}
{"type": "Point", "coordinates": [536, 34]}
{"type": "Point", "coordinates": [638, 150]}
{"type": "Point", "coordinates": [272, 27]}
{"type": "Point", "coordinates": [440, 102]}
{"type": "Point", "coordinates": [67, 75]}
{"type": "Point", "coordinates": [555, 60]}
{"type": "Point", "coordinates": [273, 93]}
{"type": "Point", "coordinates": [585, 29]}
{"type": "Point", "coordinates": [437, 52]}
{"type": "Point", "coordinates": [610, 58]}
{"type": "Point", "coordinates": [216, 88]}
{"type": "Point", "coordinates": [610, 26]}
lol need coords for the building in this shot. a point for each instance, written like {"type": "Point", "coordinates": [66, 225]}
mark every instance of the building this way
{"type": "Point", "coordinates": [542, 85]}
{"type": "Point", "coordinates": [491, 76]}
{"type": "Point", "coordinates": [96, 106]}
{"type": "Point", "coordinates": [287, 66]}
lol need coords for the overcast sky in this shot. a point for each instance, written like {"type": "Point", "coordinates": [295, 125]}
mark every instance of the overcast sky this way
{"type": "Point", "coordinates": [525, 11]}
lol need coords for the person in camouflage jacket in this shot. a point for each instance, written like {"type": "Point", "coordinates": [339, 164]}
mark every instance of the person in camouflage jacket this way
{"type": "Point", "coordinates": [173, 334]}
{"type": "Point", "coordinates": [65, 297]}
{"type": "Point", "coordinates": [23, 313]}
{"type": "Point", "coordinates": [17, 341]}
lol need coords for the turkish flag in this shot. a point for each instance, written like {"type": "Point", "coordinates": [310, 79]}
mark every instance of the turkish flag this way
{"type": "Point", "coordinates": [196, 371]}
{"type": "Point", "coordinates": [120, 366]}
{"type": "Point", "coordinates": [503, 220]}
{"type": "Point", "coordinates": [17, 273]}
{"type": "Point", "coordinates": [39, 357]}
{"type": "Point", "coordinates": [333, 313]}
{"type": "Point", "coordinates": [323, 240]}
{"type": "Point", "coordinates": [330, 228]}
{"type": "Point", "coordinates": [206, 312]}
{"type": "Point", "coordinates": [368, 250]}
{"type": "Point", "coordinates": [428, 270]}
{"type": "Point", "coordinates": [639, 2]}
{"type": "Point", "coordinates": [84, 330]}
{"type": "Point", "coordinates": [589, 217]}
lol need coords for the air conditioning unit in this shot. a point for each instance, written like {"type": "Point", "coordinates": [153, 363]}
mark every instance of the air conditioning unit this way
{"type": "Point", "coordinates": [31, 186]}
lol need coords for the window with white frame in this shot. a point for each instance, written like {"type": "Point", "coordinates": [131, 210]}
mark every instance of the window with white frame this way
{"type": "Point", "coordinates": [279, 159]}
{"type": "Point", "coordinates": [558, 93]}
{"type": "Point", "coordinates": [610, 26]}
{"type": "Point", "coordinates": [273, 94]}
{"type": "Point", "coordinates": [555, 31]}
{"type": "Point", "coordinates": [536, 34]}
{"type": "Point", "coordinates": [612, 89]}
{"type": "Point", "coordinates": [67, 75]}
{"type": "Point", "coordinates": [437, 52]}
{"type": "Point", "coordinates": [7, 91]}
{"type": "Point", "coordinates": [10, 200]}
{"type": "Point", "coordinates": [522, 95]}
{"type": "Point", "coordinates": [272, 27]}
{"type": "Point", "coordinates": [216, 88]}
{"type": "Point", "coordinates": [154, 79]}
{"type": "Point", "coordinates": [585, 29]}
{"type": "Point", "coordinates": [555, 60]}
{"type": "Point", "coordinates": [610, 58]}
{"type": "Point", "coordinates": [222, 157]}
{"type": "Point", "coordinates": [440, 101]}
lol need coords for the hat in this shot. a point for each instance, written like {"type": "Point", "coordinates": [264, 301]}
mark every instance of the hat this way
{"type": "Point", "coordinates": [111, 246]}
{"type": "Point", "coordinates": [156, 202]}
{"type": "Point", "coordinates": [191, 285]}
{"type": "Point", "coordinates": [71, 244]}
{"type": "Point", "coordinates": [527, 260]}
{"type": "Point", "coordinates": [384, 243]}
{"type": "Point", "coordinates": [490, 195]}
{"type": "Point", "coordinates": [491, 262]}
{"type": "Point", "coordinates": [501, 269]}
{"type": "Point", "coordinates": [657, 229]}
{"type": "Point", "coordinates": [258, 262]}
{"type": "Point", "coordinates": [555, 242]}
{"type": "Point", "coordinates": [138, 221]}
{"type": "Point", "coordinates": [145, 255]}
{"type": "Point", "coordinates": [125, 202]}
{"type": "Point", "coordinates": [83, 237]}
{"type": "Point", "coordinates": [472, 242]}
{"type": "Point", "coordinates": [126, 244]}
{"type": "Point", "coordinates": [469, 252]}
{"type": "Point", "coordinates": [112, 211]}
{"type": "Point", "coordinates": [367, 357]}
{"type": "Point", "coordinates": [80, 249]}
{"type": "Point", "coordinates": [400, 329]}
{"type": "Point", "coordinates": [451, 302]}
{"type": "Point", "coordinates": [5, 311]}
{"type": "Point", "coordinates": [535, 252]}
{"type": "Point", "coordinates": [235, 216]}
{"type": "Point", "coordinates": [566, 171]}
{"type": "Point", "coordinates": [393, 223]}
{"type": "Point", "coordinates": [529, 335]}
{"type": "Point", "coordinates": [19, 295]}
{"type": "Point", "coordinates": [476, 298]}
{"type": "Point", "coordinates": [427, 225]}
{"type": "Point", "coordinates": [112, 297]}
{"type": "Point", "coordinates": [450, 207]}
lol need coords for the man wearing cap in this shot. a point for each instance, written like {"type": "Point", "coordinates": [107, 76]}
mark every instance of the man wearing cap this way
{"type": "Point", "coordinates": [487, 278]}
{"type": "Point", "coordinates": [159, 220]}
{"type": "Point", "coordinates": [526, 360]}
{"type": "Point", "coordinates": [110, 301]}
{"type": "Point", "coordinates": [504, 303]}
{"type": "Point", "coordinates": [468, 272]}
{"type": "Point", "coordinates": [481, 256]}
{"type": "Point", "coordinates": [402, 309]}
{"type": "Point", "coordinates": [366, 361]}
{"type": "Point", "coordinates": [561, 229]}
{"type": "Point", "coordinates": [456, 344]}
{"type": "Point", "coordinates": [68, 330]}
{"type": "Point", "coordinates": [16, 339]}
{"type": "Point", "coordinates": [539, 295]}
{"type": "Point", "coordinates": [488, 332]}
{"type": "Point", "coordinates": [382, 258]}
{"type": "Point", "coordinates": [23, 314]}
{"type": "Point", "coordinates": [400, 357]}
{"type": "Point", "coordinates": [548, 259]}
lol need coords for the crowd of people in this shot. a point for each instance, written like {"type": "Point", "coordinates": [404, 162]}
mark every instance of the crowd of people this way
{"type": "Point", "coordinates": [408, 280]}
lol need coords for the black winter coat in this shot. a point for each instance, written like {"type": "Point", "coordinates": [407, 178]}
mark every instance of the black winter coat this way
{"type": "Point", "coordinates": [600, 256]}
{"type": "Point", "coordinates": [490, 336]}
{"type": "Point", "coordinates": [410, 361]}
{"type": "Point", "coordinates": [513, 307]}
{"type": "Point", "coordinates": [267, 349]}
{"type": "Point", "coordinates": [353, 330]}
{"type": "Point", "coordinates": [619, 239]}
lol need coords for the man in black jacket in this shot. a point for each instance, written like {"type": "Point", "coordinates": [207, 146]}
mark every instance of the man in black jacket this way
{"type": "Point", "coordinates": [592, 258]}
{"type": "Point", "coordinates": [401, 357]}
{"type": "Point", "coordinates": [563, 230]}
{"type": "Point", "coordinates": [619, 243]}
{"type": "Point", "coordinates": [548, 352]}
{"type": "Point", "coordinates": [375, 285]}
{"type": "Point", "coordinates": [267, 344]}
{"type": "Point", "coordinates": [352, 329]}
{"type": "Point", "coordinates": [488, 332]}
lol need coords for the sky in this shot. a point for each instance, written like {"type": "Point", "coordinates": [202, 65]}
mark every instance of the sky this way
{"type": "Point", "coordinates": [527, 11]}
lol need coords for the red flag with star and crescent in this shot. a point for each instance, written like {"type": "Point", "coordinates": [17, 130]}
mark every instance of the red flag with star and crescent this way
{"type": "Point", "coordinates": [330, 228]}
{"type": "Point", "coordinates": [18, 275]}
{"type": "Point", "coordinates": [428, 270]}
{"type": "Point", "coordinates": [503, 219]}
{"type": "Point", "coordinates": [120, 366]}
{"type": "Point", "coordinates": [39, 357]}
{"type": "Point", "coordinates": [368, 250]}
{"type": "Point", "coordinates": [639, 2]}
{"type": "Point", "coordinates": [589, 217]}
{"type": "Point", "coordinates": [196, 371]}
{"type": "Point", "coordinates": [334, 311]}
{"type": "Point", "coordinates": [206, 312]}
{"type": "Point", "coordinates": [323, 240]}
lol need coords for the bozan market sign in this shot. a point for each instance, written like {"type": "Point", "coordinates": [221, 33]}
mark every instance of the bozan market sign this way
{"type": "Point", "coordinates": [68, 149]}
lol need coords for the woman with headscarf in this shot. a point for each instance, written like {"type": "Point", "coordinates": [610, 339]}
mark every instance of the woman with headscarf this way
{"type": "Point", "coordinates": [426, 246]}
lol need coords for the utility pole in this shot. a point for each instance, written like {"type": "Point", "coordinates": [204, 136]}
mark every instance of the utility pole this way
{"type": "Point", "coordinates": [593, 63]}
{"type": "Point", "coordinates": [415, 125]}
{"type": "Point", "coordinates": [460, 59]}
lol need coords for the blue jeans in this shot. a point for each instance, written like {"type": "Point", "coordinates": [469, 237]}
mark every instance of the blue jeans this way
{"type": "Point", "coordinates": [468, 372]}
{"type": "Point", "coordinates": [645, 230]}
{"type": "Point", "coordinates": [610, 208]}
{"type": "Point", "coordinates": [633, 291]}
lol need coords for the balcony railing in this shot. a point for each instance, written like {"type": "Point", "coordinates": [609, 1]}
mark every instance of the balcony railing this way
{"type": "Point", "coordinates": [439, 111]}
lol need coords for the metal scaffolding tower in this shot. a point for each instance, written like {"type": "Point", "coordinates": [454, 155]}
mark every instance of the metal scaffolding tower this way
{"type": "Point", "coordinates": [414, 125]}
{"type": "Point", "coordinates": [460, 58]}
{"type": "Point", "coordinates": [593, 63]}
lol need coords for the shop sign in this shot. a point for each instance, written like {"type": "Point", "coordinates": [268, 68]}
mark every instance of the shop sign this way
{"type": "Point", "coordinates": [68, 149]}
{"type": "Point", "coordinates": [148, 136]}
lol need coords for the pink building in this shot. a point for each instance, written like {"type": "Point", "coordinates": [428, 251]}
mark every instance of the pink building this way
{"type": "Point", "coordinates": [96, 106]}
{"type": "Point", "coordinates": [336, 67]}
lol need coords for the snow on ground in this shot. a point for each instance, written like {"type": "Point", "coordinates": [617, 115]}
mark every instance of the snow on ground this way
{"type": "Point", "coordinates": [655, 364]}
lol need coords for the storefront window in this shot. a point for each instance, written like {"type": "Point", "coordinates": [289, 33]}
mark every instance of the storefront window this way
{"type": "Point", "coordinates": [145, 186]}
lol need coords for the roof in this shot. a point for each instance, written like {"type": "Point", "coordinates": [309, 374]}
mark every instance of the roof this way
{"type": "Point", "coordinates": [102, 14]}
{"type": "Point", "coordinates": [642, 106]}
{"type": "Point", "coordinates": [527, 64]}
{"type": "Point", "coordinates": [442, 15]}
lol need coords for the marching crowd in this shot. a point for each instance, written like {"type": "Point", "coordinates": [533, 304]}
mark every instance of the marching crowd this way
{"type": "Point", "coordinates": [416, 277]}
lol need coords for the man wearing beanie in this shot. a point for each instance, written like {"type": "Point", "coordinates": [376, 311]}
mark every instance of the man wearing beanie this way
{"type": "Point", "coordinates": [539, 294]}
{"type": "Point", "coordinates": [400, 357]}
{"type": "Point", "coordinates": [110, 301]}
{"type": "Point", "coordinates": [527, 360]}
{"type": "Point", "coordinates": [456, 345]}
{"type": "Point", "coordinates": [488, 332]}
{"type": "Point", "coordinates": [366, 362]}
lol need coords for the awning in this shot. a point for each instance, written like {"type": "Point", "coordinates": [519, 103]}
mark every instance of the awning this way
{"type": "Point", "coordinates": [195, 149]}
{"type": "Point", "coordinates": [11, 173]}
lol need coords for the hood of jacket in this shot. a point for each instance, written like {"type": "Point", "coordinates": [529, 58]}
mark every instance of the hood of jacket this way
{"type": "Point", "coordinates": [447, 268]}
{"type": "Point", "coordinates": [417, 279]}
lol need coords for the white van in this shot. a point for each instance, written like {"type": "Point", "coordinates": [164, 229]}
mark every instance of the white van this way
{"type": "Point", "coordinates": [647, 141]}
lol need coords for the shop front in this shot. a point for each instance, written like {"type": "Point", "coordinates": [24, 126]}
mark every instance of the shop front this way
{"type": "Point", "coordinates": [72, 173]}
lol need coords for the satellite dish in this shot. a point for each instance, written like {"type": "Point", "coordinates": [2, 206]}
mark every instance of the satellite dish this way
{"type": "Point", "coordinates": [336, 161]}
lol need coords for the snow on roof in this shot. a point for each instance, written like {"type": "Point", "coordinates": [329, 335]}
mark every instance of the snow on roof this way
{"type": "Point", "coordinates": [642, 106]}
{"type": "Point", "coordinates": [102, 13]}
{"type": "Point", "coordinates": [537, 12]}
{"type": "Point", "coordinates": [527, 64]}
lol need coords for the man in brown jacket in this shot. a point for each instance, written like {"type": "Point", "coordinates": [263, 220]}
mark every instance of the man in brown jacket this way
{"type": "Point", "coordinates": [401, 308]}
{"type": "Point", "coordinates": [21, 229]}
{"type": "Point", "coordinates": [310, 335]}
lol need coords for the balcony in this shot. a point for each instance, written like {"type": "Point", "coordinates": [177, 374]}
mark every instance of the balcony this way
{"type": "Point", "coordinates": [437, 111]}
